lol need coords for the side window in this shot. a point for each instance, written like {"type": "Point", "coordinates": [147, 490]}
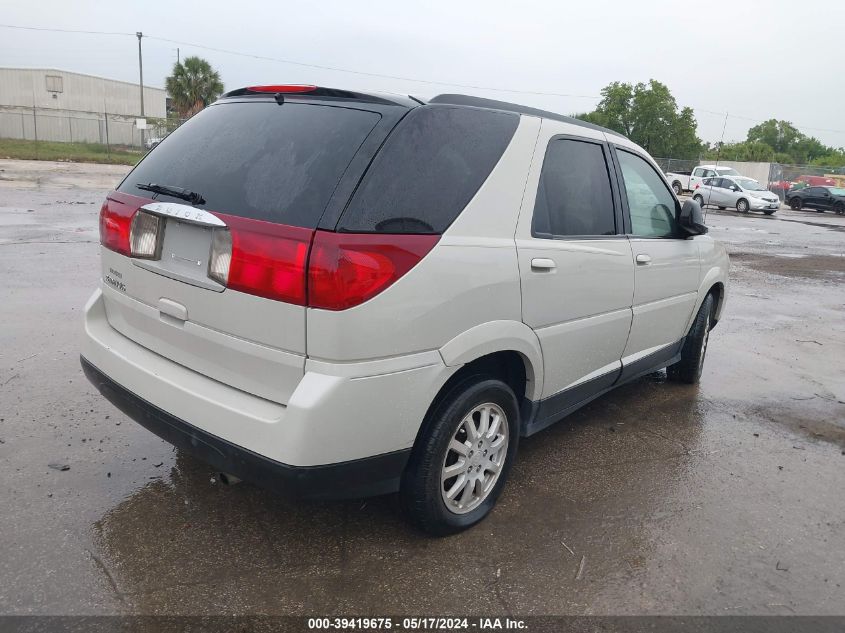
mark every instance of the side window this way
{"type": "Point", "coordinates": [574, 195]}
{"type": "Point", "coordinates": [698, 171]}
{"type": "Point", "coordinates": [650, 202]}
{"type": "Point", "coordinates": [710, 182]}
{"type": "Point", "coordinates": [429, 169]}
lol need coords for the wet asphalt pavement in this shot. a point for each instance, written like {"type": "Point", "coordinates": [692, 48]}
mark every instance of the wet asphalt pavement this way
{"type": "Point", "coordinates": [725, 498]}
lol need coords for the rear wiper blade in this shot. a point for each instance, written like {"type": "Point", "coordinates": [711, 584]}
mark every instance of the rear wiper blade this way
{"type": "Point", "coordinates": [177, 192]}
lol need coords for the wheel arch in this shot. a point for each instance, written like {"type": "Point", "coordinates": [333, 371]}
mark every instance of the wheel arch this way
{"type": "Point", "coordinates": [508, 340]}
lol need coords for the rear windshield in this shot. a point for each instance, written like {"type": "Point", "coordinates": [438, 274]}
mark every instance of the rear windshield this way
{"type": "Point", "coordinates": [430, 167]}
{"type": "Point", "coordinates": [260, 160]}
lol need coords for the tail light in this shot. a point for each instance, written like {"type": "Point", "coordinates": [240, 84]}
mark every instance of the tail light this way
{"type": "Point", "coordinates": [318, 269]}
{"type": "Point", "coordinates": [261, 258]}
{"type": "Point", "coordinates": [115, 225]}
{"type": "Point", "coordinates": [346, 269]}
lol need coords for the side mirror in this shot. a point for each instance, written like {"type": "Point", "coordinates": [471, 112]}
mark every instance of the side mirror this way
{"type": "Point", "coordinates": [692, 218]}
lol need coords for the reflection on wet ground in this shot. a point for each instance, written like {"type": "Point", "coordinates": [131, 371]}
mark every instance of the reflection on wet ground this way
{"type": "Point", "coordinates": [658, 498]}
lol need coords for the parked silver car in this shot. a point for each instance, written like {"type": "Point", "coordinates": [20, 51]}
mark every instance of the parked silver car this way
{"type": "Point", "coordinates": [347, 294]}
{"type": "Point", "coordinates": [741, 193]}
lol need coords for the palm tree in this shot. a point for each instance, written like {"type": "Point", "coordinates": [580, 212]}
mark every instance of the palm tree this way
{"type": "Point", "coordinates": [193, 85]}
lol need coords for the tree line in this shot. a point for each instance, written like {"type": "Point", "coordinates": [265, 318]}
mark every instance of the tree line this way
{"type": "Point", "coordinates": [649, 115]}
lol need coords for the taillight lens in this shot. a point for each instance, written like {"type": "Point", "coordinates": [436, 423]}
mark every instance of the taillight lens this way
{"type": "Point", "coordinates": [221, 256]}
{"type": "Point", "coordinates": [267, 259]}
{"type": "Point", "coordinates": [346, 269]}
{"type": "Point", "coordinates": [115, 225]}
{"type": "Point", "coordinates": [145, 235]}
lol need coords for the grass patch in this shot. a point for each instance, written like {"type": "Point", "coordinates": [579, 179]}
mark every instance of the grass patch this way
{"type": "Point", "coordinates": [70, 152]}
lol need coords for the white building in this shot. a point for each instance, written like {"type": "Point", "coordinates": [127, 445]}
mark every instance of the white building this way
{"type": "Point", "coordinates": [56, 105]}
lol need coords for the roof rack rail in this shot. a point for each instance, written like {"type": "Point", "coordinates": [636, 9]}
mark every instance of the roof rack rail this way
{"type": "Point", "coordinates": [492, 104]}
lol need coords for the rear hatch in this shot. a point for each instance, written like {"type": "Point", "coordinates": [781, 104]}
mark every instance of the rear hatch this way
{"type": "Point", "coordinates": [237, 191]}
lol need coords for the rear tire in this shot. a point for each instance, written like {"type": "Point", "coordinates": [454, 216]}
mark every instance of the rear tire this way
{"type": "Point", "coordinates": [688, 369]}
{"type": "Point", "coordinates": [795, 204]}
{"type": "Point", "coordinates": [742, 205]}
{"type": "Point", "coordinates": [840, 209]}
{"type": "Point", "coordinates": [478, 479]}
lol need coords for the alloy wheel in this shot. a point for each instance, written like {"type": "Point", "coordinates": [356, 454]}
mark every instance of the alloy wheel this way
{"type": "Point", "coordinates": [474, 458]}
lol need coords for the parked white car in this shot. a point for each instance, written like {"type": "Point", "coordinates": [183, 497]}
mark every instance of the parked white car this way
{"type": "Point", "coordinates": [738, 192]}
{"type": "Point", "coordinates": [682, 181]}
{"type": "Point", "coordinates": [346, 294]}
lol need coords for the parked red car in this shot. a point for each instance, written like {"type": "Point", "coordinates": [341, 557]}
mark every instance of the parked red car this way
{"type": "Point", "coordinates": [817, 181]}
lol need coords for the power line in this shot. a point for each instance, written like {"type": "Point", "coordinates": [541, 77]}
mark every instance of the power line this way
{"type": "Point", "coordinates": [35, 28]}
{"type": "Point", "coordinates": [383, 75]}
{"type": "Point", "coordinates": [369, 74]}
{"type": "Point", "coordinates": [318, 66]}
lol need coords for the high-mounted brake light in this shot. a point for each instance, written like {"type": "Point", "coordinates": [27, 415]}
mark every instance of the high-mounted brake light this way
{"type": "Point", "coordinates": [287, 89]}
{"type": "Point", "coordinates": [346, 269]}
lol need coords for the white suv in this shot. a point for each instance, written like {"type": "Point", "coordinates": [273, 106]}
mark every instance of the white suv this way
{"type": "Point", "coordinates": [346, 294]}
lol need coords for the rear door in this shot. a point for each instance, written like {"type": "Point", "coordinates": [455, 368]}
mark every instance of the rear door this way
{"type": "Point", "coordinates": [666, 264]}
{"type": "Point", "coordinates": [709, 190]}
{"type": "Point", "coordinates": [575, 264]}
{"type": "Point", "coordinates": [266, 172]}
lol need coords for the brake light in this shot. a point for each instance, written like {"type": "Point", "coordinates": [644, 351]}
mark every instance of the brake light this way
{"type": "Point", "coordinates": [116, 225]}
{"type": "Point", "coordinates": [287, 89]}
{"type": "Point", "coordinates": [265, 259]}
{"type": "Point", "coordinates": [346, 269]}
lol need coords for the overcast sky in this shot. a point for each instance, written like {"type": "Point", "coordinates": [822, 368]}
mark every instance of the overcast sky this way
{"type": "Point", "coordinates": [778, 58]}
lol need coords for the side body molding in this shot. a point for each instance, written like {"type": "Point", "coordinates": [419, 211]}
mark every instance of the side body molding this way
{"type": "Point", "coordinates": [499, 336]}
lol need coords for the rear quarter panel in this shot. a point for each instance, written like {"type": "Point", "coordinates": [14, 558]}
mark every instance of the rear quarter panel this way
{"type": "Point", "coordinates": [470, 277]}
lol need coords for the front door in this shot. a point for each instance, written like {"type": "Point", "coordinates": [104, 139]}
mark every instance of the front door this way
{"type": "Point", "coordinates": [666, 273]}
{"type": "Point", "coordinates": [698, 175]}
{"type": "Point", "coordinates": [575, 264]}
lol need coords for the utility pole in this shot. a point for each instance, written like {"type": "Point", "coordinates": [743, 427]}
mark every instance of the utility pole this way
{"type": "Point", "coordinates": [177, 55]}
{"type": "Point", "coordinates": [141, 72]}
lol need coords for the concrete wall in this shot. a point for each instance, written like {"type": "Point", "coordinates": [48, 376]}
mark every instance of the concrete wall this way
{"type": "Point", "coordinates": [28, 87]}
{"type": "Point", "coordinates": [757, 171]}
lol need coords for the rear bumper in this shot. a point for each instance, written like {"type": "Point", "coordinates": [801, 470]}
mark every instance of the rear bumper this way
{"type": "Point", "coordinates": [358, 478]}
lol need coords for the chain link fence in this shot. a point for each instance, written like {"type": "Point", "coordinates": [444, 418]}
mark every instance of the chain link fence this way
{"type": "Point", "coordinates": [777, 177]}
{"type": "Point", "coordinates": [112, 131]}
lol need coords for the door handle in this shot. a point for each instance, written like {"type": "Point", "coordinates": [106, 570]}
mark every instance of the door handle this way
{"type": "Point", "coordinates": [542, 263]}
{"type": "Point", "coordinates": [643, 259]}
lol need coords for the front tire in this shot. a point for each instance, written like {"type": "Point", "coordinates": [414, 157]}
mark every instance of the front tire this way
{"type": "Point", "coordinates": [697, 197]}
{"type": "Point", "coordinates": [688, 369]}
{"type": "Point", "coordinates": [461, 462]}
{"type": "Point", "coordinates": [742, 205]}
{"type": "Point", "coordinates": [676, 187]}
